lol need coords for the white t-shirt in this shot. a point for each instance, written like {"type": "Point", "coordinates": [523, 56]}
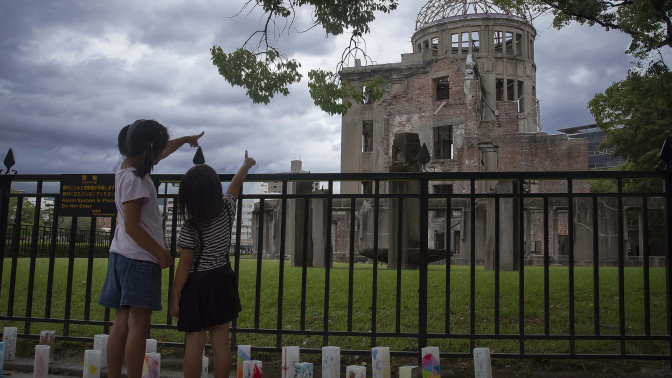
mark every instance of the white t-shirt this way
{"type": "Point", "coordinates": [128, 187]}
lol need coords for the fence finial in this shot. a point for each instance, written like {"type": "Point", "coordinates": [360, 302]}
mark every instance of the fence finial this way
{"type": "Point", "coordinates": [9, 162]}
{"type": "Point", "coordinates": [423, 156]}
{"type": "Point", "coordinates": [198, 157]}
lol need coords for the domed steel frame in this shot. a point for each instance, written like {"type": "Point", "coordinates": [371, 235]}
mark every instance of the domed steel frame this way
{"type": "Point", "coordinates": [439, 9]}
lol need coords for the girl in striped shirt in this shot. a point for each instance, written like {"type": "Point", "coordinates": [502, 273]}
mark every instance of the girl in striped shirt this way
{"type": "Point", "coordinates": [205, 293]}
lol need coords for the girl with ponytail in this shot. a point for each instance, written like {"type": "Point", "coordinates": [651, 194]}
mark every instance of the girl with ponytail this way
{"type": "Point", "coordinates": [137, 252]}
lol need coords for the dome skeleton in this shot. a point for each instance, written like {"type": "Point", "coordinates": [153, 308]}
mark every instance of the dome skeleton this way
{"type": "Point", "coordinates": [439, 9]}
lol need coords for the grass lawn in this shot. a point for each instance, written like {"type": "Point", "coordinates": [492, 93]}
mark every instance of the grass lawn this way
{"type": "Point", "coordinates": [459, 317]}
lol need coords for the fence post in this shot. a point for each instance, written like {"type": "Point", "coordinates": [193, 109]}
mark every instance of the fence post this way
{"type": "Point", "coordinates": [424, 250]}
{"type": "Point", "coordinates": [667, 188]}
{"type": "Point", "coordinates": [5, 185]}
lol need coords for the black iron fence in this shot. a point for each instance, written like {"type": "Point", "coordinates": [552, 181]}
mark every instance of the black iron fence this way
{"type": "Point", "coordinates": [533, 265]}
{"type": "Point", "coordinates": [45, 234]}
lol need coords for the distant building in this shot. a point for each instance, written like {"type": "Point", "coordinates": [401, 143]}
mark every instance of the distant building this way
{"type": "Point", "coordinates": [245, 227]}
{"type": "Point", "coordinates": [296, 167]}
{"type": "Point", "coordinates": [246, 239]}
{"type": "Point", "coordinates": [598, 158]}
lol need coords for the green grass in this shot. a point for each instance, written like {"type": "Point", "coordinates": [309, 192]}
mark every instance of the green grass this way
{"type": "Point", "coordinates": [459, 319]}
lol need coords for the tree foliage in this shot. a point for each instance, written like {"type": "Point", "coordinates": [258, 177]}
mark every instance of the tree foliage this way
{"type": "Point", "coordinates": [264, 71]}
{"type": "Point", "coordinates": [646, 21]}
{"type": "Point", "coordinates": [27, 211]}
{"type": "Point", "coordinates": [636, 114]}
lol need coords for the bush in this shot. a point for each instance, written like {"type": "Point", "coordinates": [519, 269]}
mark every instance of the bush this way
{"type": "Point", "coordinates": [62, 249]}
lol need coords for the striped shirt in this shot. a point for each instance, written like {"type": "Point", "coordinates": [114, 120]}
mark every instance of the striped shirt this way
{"type": "Point", "coordinates": [216, 238]}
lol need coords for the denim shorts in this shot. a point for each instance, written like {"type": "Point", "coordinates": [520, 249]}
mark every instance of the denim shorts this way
{"type": "Point", "coordinates": [131, 283]}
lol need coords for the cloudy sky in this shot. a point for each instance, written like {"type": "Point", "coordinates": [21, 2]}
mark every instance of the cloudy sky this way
{"type": "Point", "coordinates": [74, 72]}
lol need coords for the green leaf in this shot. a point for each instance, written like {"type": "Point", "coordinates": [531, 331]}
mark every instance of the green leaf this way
{"type": "Point", "coordinates": [262, 75]}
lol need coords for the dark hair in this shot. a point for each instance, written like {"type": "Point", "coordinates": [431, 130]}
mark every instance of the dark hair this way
{"type": "Point", "coordinates": [144, 136]}
{"type": "Point", "coordinates": [121, 140]}
{"type": "Point", "coordinates": [200, 195]}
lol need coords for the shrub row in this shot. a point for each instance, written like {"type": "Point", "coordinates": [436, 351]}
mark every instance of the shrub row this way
{"type": "Point", "coordinates": [62, 250]}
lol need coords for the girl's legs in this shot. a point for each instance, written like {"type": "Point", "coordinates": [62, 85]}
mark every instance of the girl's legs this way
{"type": "Point", "coordinates": [193, 352]}
{"type": "Point", "coordinates": [139, 319]}
{"type": "Point", "coordinates": [221, 350]}
{"type": "Point", "coordinates": [116, 343]}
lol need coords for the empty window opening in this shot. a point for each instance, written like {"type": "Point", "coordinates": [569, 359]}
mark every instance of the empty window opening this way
{"type": "Point", "coordinates": [443, 142]}
{"type": "Point", "coordinates": [509, 43]}
{"type": "Point", "coordinates": [443, 189]}
{"type": "Point", "coordinates": [510, 95]}
{"type": "Point", "coordinates": [455, 40]}
{"type": "Point", "coordinates": [419, 47]}
{"type": "Point", "coordinates": [439, 240]}
{"type": "Point", "coordinates": [521, 97]}
{"type": "Point", "coordinates": [367, 187]}
{"type": "Point", "coordinates": [366, 97]}
{"type": "Point", "coordinates": [499, 89]}
{"type": "Point", "coordinates": [435, 46]}
{"type": "Point", "coordinates": [367, 136]}
{"type": "Point", "coordinates": [534, 91]}
{"type": "Point", "coordinates": [465, 43]}
{"type": "Point", "coordinates": [455, 250]}
{"type": "Point", "coordinates": [498, 41]}
{"type": "Point", "coordinates": [442, 89]}
{"type": "Point", "coordinates": [531, 48]}
{"type": "Point", "coordinates": [519, 44]}
{"type": "Point", "coordinates": [425, 44]}
{"type": "Point", "coordinates": [475, 43]}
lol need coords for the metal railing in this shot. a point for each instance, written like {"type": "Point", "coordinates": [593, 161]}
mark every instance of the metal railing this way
{"type": "Point", "coordinates": [507, 304]}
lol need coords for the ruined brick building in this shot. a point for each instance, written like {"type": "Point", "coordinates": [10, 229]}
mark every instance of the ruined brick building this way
{"type": "Point", "coordinates": [468, 90]}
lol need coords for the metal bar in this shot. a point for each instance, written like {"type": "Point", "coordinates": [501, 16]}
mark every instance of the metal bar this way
{"type": "Point", "coordinates": [351, 265]}
{"type": "Point", "coordinates": [16, 232]}
{"type": "Point", "coordinates": [89, 269]}
{"type": "Point", "coordinates": [236, 270]}
{"type": "Point", "coordinates": [496, 266]}
{"type": "Point", "coordinates": [281, 273]}
{"type": "Point", "coordinates": [374, 294]}
{"type": "Point", "coordinates": [547, 284]}
{"type": "Point", "coordinates": [472, 268]}
{"type": "Point", "coordinates": [260, 248]}
{"type": "Point", "coordinates": [327, 266]}
{"type": "Point", "coordinates": [399, 176]}
{"type": "Point", "coordinates": [400, 230]}
{"type": "Point", "coordinates": [173, 254]}
{"type": "Point", "coordinates": [71, 269]}
{"type": "Point", "coordinates": [449, 230]}
{"type": "Point", "coordinates": [596, 268]}
{"type": "Point", "coordinates": [520, 246]}
{"type": "Point", "coordinates": [5, 189]}
{"type": "Point", "coordinates": [52, 257]}
{"type": "Point", "coordinates": [33, 256]}
{"type": "Point", "coordinates": [621, 266]}
{"type": "Point", "coordinates": [667, 188]}
{"type": "Point", "coordinates": [424, 261]}
{"type": "Point", "coordinates": [236, 250]}
{"type": "Point", "coordinates": [113, 228]}
{"type": "Point", "coordinates": [304, 261]}
{"type": "Point", "coordinates": [645, 266]}
{"type": "Point", "coordinates": [173, 243]}
{"type": "Point", "coordinates": [570, 233]}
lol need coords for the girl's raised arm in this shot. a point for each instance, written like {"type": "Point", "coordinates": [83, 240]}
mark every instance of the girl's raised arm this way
{"type": "Point", "coordinates": [174, 144]}
{"type": "Point", "coordinates": [239, 178]}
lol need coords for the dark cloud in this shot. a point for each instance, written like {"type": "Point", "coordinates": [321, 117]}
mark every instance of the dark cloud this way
{"type": "Point", "coordinates": [73, 73]}
{"type": "Point", "coordinates": [573, 64]}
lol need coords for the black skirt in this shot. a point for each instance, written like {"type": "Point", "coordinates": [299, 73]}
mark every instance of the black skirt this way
{"type": "Point", "coordinates": [208, 299]}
